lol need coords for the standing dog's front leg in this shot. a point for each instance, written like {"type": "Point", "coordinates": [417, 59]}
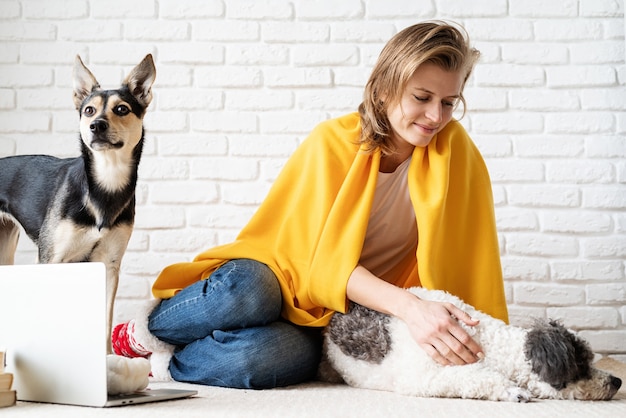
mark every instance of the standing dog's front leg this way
{"type": "Point", "coordinates": [110, 251]}
{"type": "Point", "coordinates": [9, 235]}
{"type": "Point", "coordinates": [113, 278]}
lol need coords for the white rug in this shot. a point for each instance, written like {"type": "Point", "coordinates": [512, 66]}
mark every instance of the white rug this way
{"type": "Point", "coordinates": [317, 400]}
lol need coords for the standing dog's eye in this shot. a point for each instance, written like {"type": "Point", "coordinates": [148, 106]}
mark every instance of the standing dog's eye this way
{"type": "Point", "coordinates": [89, 111]}
{"type": "Point", "coordinates": [121, 110]}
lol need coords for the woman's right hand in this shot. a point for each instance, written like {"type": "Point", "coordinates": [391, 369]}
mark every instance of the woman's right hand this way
{"type": "Point", "coordinates": [435, 327]}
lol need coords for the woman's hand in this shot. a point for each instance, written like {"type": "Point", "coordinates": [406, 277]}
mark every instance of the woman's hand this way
{"type": "Point", "coordinates": [434, 325]}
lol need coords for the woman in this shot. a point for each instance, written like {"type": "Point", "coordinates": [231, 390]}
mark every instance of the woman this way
{"type": "Point", "coordinates": [393, 196]}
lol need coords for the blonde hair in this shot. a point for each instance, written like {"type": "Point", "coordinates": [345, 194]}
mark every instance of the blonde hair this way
{"type": "Point", "coordinates": [434, 42]}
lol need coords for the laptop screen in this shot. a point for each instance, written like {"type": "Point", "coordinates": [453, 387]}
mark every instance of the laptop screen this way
{"type": "Point", "coordinates": [53, 326]}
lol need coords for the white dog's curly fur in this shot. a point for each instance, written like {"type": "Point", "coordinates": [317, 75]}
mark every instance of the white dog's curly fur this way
{"type": "Point", "coordinates": [371, 350]}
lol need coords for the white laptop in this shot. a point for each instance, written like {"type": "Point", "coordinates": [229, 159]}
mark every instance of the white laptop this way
{"type": "Point", "coordinates": [53, 327]}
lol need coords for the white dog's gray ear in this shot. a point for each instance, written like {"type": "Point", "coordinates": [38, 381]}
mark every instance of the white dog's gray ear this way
{"type": "Point", "coordinates": [556, 355]}
{"type": "Point", "coordinates": [140, 80]}
{"type": "Point", "coordinates": [84, 82]}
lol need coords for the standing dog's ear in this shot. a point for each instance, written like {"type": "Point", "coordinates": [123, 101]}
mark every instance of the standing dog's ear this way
{"type": "Point", "coordinates": [84, 82]}
{"type": "Point", "coordinates": [140, 80]}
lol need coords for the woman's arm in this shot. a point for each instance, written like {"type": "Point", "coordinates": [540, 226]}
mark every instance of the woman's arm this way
{"type": "Point", "coordinates": [434, 325]}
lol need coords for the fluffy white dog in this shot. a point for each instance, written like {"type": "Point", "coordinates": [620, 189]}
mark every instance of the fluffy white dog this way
{"type": "Point", "coordinates": [371, 350]}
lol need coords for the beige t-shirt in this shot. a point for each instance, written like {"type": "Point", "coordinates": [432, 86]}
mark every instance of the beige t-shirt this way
{"type": "Point", "coordinates": [392, 230]}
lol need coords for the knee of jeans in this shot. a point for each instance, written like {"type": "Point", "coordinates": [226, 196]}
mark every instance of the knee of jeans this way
{"type": "Point", "coordinates": [261, 288]}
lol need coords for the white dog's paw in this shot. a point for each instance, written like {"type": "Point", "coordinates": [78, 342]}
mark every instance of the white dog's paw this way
{"type": "Point", "coordinates": [516, 394]}
{"type": "Point", "coordinates": [125, 375]}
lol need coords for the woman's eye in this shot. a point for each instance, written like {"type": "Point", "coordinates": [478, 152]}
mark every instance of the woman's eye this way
{"type": "Point", "coordinates": [448, 104]}
{"type": "Point", "coordinates": [421, 99]}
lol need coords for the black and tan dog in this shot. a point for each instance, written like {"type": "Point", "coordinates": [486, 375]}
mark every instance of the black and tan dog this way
{"type": "Point", "coordinates": [82, 209]}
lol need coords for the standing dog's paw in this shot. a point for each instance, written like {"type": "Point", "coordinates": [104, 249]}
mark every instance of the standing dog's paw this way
{"type": "Point", "coordinates": [125, 375]}
{"type": "Point", "coordinates": [516, 394]}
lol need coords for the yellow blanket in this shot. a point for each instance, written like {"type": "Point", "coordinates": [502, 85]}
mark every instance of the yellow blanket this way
{"type": "Point", "coordinates": [311, 227]}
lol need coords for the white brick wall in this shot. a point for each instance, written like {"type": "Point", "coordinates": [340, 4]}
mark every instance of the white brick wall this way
{"type": "Point", "coordinates": [241, 82]}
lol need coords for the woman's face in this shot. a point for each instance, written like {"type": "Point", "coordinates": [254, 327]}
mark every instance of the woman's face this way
{"type": "Point", "coordinates": [425, 107]}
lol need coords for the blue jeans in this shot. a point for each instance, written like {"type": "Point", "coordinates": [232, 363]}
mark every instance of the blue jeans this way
{"type": "Point", "coordinates": [228, 331]}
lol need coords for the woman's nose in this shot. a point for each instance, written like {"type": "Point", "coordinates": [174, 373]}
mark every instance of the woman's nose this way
{"type": "Point", "coordinates": [434, 112]}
